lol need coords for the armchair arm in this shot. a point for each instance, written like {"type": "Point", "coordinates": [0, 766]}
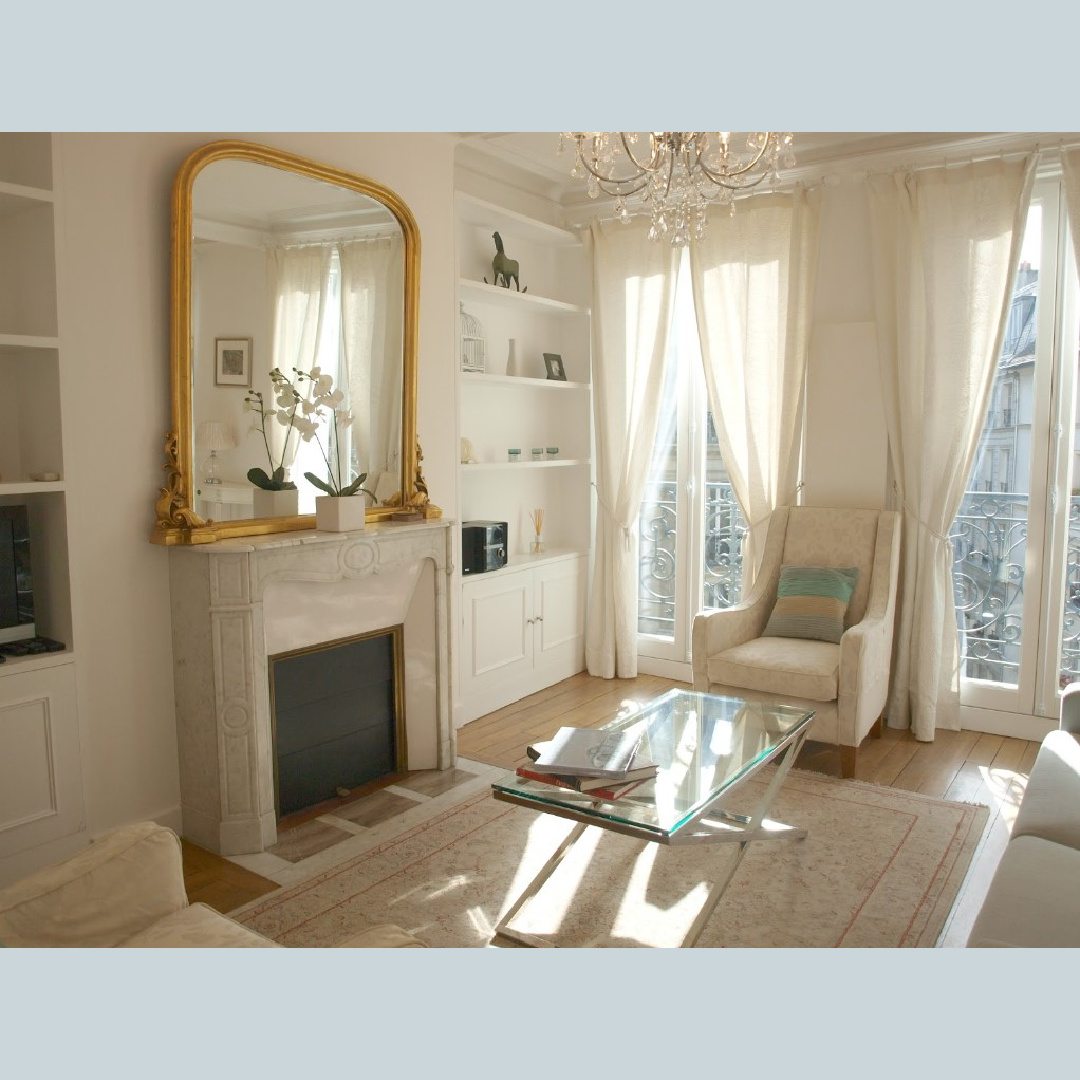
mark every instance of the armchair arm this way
{"type": "Point", "coordinates": [1070, 709]}
{"type": "Point", "coordinates": [116, 887]}
{"type": "Point", "coordinates": [715, 631]}
{"type": "Point", "coordinates": [866, 648]}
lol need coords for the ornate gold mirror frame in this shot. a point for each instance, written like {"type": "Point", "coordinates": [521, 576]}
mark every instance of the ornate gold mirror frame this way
{"type": "Point", "coordinates": [176, 521]}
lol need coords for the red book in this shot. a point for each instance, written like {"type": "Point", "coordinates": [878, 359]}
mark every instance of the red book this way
{"type": "Point", "coordinates": [608, 794]}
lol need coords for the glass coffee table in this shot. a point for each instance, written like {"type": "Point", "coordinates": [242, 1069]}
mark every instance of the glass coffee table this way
{"type": "Point", "coordinates": [706, 747]}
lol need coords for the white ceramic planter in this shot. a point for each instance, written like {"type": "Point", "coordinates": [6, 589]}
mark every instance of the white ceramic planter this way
{"type": "Point", "coordinates": [284, 503]}
{"type": "Point", "coordinates": [346, 514]}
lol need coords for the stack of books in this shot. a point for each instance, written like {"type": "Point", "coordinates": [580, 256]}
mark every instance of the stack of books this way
{"type": "Point", "coordinates": [602, 764]}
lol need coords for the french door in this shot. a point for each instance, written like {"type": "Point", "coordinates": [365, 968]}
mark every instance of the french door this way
{"type": "Point", "coordinates": [690, 527]}
{"type": "Point", "coordinates": [1016, 538]}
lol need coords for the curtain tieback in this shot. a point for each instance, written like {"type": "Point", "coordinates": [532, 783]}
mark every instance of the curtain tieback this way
{"type": "Point", "coordinates": [606, 506]}
{"type": "Point", "coordinates": [918, 520]}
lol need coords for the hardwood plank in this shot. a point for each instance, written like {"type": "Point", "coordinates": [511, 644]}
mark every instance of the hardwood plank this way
{"type": "Point", "coordinates": [219, 883]}
{"type": "Point", "coordinates": [985, 749]}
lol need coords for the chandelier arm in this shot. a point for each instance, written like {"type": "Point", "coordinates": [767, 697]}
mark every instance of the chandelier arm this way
{"type": "Point", "coordinates": [654, 158]}
{"type": "Point", "coordinates": [722, 178]}
{"type": "Point", "coordinates": [618, 187]}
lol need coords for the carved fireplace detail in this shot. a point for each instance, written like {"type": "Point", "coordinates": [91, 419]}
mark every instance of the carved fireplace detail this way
{"type": "Point", "coordinates": [237, 602]}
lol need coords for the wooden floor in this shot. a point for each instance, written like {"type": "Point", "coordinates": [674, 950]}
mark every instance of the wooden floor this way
{"type": "Point", "coordinates": [966, 766]}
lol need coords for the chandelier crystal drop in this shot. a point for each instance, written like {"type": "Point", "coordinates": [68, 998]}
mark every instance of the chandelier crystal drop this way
{"type": "Point", "coordinates": [676, 174]}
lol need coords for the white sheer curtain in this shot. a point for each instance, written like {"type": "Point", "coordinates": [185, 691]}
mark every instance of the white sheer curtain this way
{"type": "Point", "coordinates": [754, 275]}
{"type": "Point", "coordinates": [945, 248]}
{"type": "Point", "coordinates": [633, 300]}
{"type": "Point", "coordinates": [372, 322]}
{"type": "Point", "coordinates": [299, 280]}
{"type": "Point", "coordinates": [1070, 162]}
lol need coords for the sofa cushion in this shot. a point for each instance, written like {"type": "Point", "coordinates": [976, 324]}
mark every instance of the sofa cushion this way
{"type": "Point", "coordinates": [117, 886]}
{"type": "Point", "coordinates": [790, 667]}
{"type": "Point", "coordinates": [1050, 807]}
{"type": "Point", "coordinates": [197, 927]}
{"type": "Point", "coordinates": [1032, 901]}
{"type": "Point", "coordinates": [811, 602]}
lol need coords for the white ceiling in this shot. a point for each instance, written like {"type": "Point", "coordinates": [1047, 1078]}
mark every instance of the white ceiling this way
{"type": "Point", "coordinates": [535, 153]}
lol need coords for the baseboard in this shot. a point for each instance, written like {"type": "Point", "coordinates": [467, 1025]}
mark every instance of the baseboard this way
{"type": "Point", "coordinates": [667, 669]}
{"type": "Point", "coordinates": [1011, 725]}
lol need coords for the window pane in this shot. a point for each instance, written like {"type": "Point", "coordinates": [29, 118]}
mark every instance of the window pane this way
{"type": "Point", "coordinates": [657, 521]}
{"type": "Point", "coordinates": [989, 535]}
{"type": "Point", "coordinates": [724, 531]}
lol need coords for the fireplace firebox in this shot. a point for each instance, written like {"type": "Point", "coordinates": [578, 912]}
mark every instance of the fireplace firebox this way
{"type": "Point", "coordinates": [338, 716]}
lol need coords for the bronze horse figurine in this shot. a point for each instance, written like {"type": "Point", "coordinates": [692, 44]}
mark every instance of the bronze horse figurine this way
{"type": "Point", "coordinates": [503, 267]}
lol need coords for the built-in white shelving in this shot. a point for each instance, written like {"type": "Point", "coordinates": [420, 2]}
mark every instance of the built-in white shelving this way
{"type": "Point", "coordinates": [523, 625]}
{"type": "Point", "coordinates": [41, 800]}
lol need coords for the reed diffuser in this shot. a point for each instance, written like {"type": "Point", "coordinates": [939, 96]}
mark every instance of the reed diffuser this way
{"type": "Point", "coordinates": [537, 516]}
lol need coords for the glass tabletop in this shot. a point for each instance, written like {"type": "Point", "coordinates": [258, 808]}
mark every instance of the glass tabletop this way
{"type": "Point", "coordinates": [704, 746]}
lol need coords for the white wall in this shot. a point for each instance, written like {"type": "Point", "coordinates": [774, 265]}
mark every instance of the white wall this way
{"type": "Point", "coordinates": [846, 446]}
{"type": "Point", "coordinates": [114, 278]}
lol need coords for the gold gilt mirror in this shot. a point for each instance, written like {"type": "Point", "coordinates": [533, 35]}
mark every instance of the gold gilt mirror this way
{"type": "Point", "coordinates": [292, 281]}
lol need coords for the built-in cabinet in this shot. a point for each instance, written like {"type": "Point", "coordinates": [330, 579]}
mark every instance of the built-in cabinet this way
{"type": "Point", "coordinates": [41, 798]}
{"type": "Point", "coordinates": [523, 629]}
{"type": "Point", "coordinates": [523, 626]}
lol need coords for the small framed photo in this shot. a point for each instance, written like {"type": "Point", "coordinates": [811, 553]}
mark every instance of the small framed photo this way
{"type": "Point", "coordinates": [553, 363]}
{"type": "Point", "coordinates": [232, 364]}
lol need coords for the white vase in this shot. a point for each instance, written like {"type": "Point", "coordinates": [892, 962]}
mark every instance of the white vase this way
{"type": "Point", "coordinates": [512, 360]}
{"type": "Point", "coordinates": [345, 514]}
{"type": "Point", "coordinates": [271, 504]}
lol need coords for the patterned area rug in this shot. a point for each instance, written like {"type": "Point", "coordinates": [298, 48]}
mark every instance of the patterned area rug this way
{"type": "Point", "coordinates": [880, 868]}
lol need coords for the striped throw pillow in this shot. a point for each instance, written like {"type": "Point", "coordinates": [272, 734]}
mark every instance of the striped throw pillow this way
{"type": "Point", "coordinates": [811, 602]}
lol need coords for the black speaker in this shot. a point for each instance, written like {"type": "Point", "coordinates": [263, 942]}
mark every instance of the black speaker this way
{"type": "Point", "coordinates": [483, 546]}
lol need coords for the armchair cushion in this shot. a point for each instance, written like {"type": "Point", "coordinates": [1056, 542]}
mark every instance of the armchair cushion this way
{"type": "Point", "coordinates": [197, 927]}
{"type": "Point", "coordinates": [788, 667]}
{"type": "Point", "coordinates": [811, 602]}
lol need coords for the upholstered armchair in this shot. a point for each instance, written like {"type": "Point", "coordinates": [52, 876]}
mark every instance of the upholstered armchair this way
{"type": "Point", "coordinates": [845, 682]}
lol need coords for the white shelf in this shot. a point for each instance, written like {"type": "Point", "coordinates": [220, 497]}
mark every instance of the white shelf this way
{"type": "Point", "coordinates": [27, 341]}
{"type": "Point", "coordinates": [474, 211]}
{"type": "Point", "coordinates": [519, 382]}
{"type": "Point", "coordinates": [499, 466]}
{"type": "Point", "coordinates": [25, 487]}
{"type": "Point", "coordinates": [520, 562]}
{"type": "Point", "coordinates": [16, 198]}
{"type": "Point", "coordinates": [497, 294]}
{"type": "Point", "coordinates": [19, 664]}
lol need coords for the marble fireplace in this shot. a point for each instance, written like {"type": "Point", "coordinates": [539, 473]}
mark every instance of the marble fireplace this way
{"type": "Point", "coordinates": [235, 603]}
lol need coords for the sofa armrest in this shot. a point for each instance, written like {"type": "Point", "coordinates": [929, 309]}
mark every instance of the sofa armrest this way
{"type": "Point", "coordinates": [118, 886]}
{"type": "Point", "coordinates": [1070, 709]}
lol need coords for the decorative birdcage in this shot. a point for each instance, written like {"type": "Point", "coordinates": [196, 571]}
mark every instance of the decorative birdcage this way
{"type": "Point", "coordinates": [473, 349]}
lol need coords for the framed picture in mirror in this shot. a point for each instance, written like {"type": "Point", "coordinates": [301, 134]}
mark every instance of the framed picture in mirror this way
{"type": "Point", "coordinates": [232, 364]}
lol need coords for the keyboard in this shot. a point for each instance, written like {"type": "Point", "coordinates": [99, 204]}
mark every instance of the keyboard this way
{"type": "Point", "coordinates": [30, 647]}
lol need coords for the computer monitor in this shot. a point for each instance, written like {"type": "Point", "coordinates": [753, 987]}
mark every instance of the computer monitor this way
{"type": "Point", "coordinates": [16, 581]}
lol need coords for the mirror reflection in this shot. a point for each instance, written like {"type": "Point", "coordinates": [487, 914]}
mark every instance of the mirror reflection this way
{"type": "Point", "coordinates": [297, 320]}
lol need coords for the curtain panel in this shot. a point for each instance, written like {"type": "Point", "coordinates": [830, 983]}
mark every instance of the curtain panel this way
{"type": "Point", "coordinates": [1070, 163]}
{"type": "Point", "coordinates": [754, 276]}
{"type": "Point", "coordinates": [372, 307]}
{"type": "Point", "coordinates": [298, 283]}
{"type": "Point", "coordinates": [945, 248]}
{"type": "Point", "coordinates": [633, 301]}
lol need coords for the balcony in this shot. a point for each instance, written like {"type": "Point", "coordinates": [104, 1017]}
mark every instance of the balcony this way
{"type": "Point", "coordinates": [989, 542]}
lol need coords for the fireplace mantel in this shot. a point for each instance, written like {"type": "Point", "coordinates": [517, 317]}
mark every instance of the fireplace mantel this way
{"type": "Point", "coordinates": [236, 602]}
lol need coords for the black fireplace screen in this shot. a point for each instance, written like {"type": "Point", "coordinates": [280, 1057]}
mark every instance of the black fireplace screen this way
{"type": "Point", "coordinates": [337, 717]}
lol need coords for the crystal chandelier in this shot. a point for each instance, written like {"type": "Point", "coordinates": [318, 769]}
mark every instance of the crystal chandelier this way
{"type": "Point", "coordinates": [677, 173]}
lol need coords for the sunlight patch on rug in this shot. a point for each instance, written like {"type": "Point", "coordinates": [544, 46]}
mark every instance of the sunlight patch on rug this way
{"type": "Point", "coordinates": [880, 867]}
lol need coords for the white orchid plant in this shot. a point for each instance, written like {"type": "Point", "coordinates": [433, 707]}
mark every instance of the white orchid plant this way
{"type": "Point", "coordinates": [302, 404]}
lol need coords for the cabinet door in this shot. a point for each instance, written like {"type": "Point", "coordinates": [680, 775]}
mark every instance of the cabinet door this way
{"type": "Point", "coordinates": [41, 797]}
{"type": "Point", "coordinates": [497, 630]}
{"type": "Point", "coordinates": [560, 605]}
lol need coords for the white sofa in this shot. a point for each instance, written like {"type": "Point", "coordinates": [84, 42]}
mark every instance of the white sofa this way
{"type": "Point", "coordinates": [128, 890]}
{"type": "Point", "coordinates": [1034, 896]}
